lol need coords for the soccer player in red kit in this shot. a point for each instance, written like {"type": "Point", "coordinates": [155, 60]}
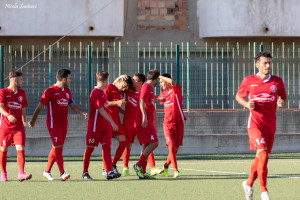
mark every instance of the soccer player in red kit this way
{"type": "Point", "coordinates": [13, 119]}
{"type": "Point", "coordinates": [114, 93]}
{"type": "Point", "coordinates": [129, 123]}
{"type": "Point", "coordinates": [145, 122]}
{"type": "Point", "coordinates": [262, 90]}
{"type": "Point", "coordinates": [98, 127]}
{"type": "Point", "coordinates": [57, 98]}
{"type": "Point", "coordinates": [173, 122]}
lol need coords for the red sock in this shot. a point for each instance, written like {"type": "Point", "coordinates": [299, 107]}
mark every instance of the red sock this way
{"type": "Point", "coordinates": [151, 160]}
{"type": "Point", "coordinates": [119, 152]}
{"type": "Point", "coordinates": [144, 166]}
{"type": "Point", "coordinates": [3, 160]}
{"type": "Point", "coordinates": [59, 159]}
{"type": "Point", "coordinates": [21, 160]}
{"type": "Point", "coordinates": [168, 162]}
{"type": "Point", "coordinates": [142, 160]}
{"type": "Point", "coordinates": [106, 155]}
{"type": "Point", "coordinates": [172, 154]}
{"type": "Point", "coordinates": [126, 156]}
{"type": "Point", "coordinates": [86, 158]}
{"type": "Point", "coordinates": [51, 160]}
{"type": "Point", "coordinates": [253, 172]}
{"type": "Point", "coordinates": [262, 170]}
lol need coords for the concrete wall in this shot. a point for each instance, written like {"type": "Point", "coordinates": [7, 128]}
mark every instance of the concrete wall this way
{"type": "Point", "coordinates": [58, 18]}
{"type": "Point", "coordinates": [205, 133]}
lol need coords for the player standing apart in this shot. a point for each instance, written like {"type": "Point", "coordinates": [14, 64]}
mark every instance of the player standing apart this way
{"type": "Point", "coordinates": [145, 122]}
{"type": "Point", "coordinates": [99, 128]}
{"type": "Point", "coordinates": [114, 93]}
{"type": "Point", "coordinates": [263, 90]}
{"type": "Point", "coordinates": [57, 98]}
{"type": "Point", "coordinates": [13, 119]}
{"type": "Point", "coordinates": [173, 122]}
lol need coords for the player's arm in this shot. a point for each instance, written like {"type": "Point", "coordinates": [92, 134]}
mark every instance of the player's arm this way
{"type": "Point", "coordinates": [160, 99]}
{"type": "Point", "coordinates": [281, 102]}
{"type": "Point", "coordinates": [143, 110]}
{"type": "Point", "coordinates": [168, 80]}
{"type": "Point", "coordinates": [248, 104]}
{"type": "Point", "coordinates": [106, 116]}
{"type": "Point", "coordinates": [155, 120]}
{"type": "Point", "coordinates": [36, 113]}
{"type": "Point", "coordinates": [118, 103]}
{"type": "Point", "coordinates": [11, 118]}
{"type": "Point", "coordinates": [24, 116]}
{"type": "Point", "coordinates": [76, 109]}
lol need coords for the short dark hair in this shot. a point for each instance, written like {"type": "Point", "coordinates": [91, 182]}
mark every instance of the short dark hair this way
{"type": "Point", "coordinates": [153, 74]}
{"type": "Point", "coordinates": [102, 76]}
{"type": "Point", "coordinates": [166, 75]}
{"type": "Point", "coordinates": [62, 73]}
{"type": "Point", "coordinates": [262, 54]}
{"type": "Point", "coordinates": [15, 74]}
{"type": "Point", "coordinates": [129, 82]}
{"type": "Point", "coordinates": [141, 76]}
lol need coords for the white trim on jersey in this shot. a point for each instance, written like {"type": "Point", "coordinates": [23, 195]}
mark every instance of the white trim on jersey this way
{"type": "Point", "coordinates": [179, 107]}
{"type": "Point", "coordinates": [51, 117]}
{"type": "Point", "coordinates": [249, 120]}
{"type": "Point", "coordinates": [95, 120]}
{"type": "Point", "coordinates": [0, 120]}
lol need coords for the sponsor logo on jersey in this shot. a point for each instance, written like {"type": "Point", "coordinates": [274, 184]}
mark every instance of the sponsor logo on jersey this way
{"type": "Point", "coordinates": [106, 104]}
{"type": "Point", "coordinates": [264, 97]}
{"type": "Point", "coordinates": [67, 95]}
{"type": "Point", "coordinates": [132, 101]}
{"type": "Point", "coordinates": [253, 85]}
{"type": "Point", "coordinates": [14, 105]}
{"type": "Point", "coordinates": [63, 102]}
{"type": "Point", "coordinates": [20, 98]}
{"type": "Point", "coordinates": [273, 88]}
{"type": "Point", "coordinates": [57, 94]}
{"type": "Point", "coordinates": [8, 96]}
{"type": "Point", "coordinates": [168, 104]}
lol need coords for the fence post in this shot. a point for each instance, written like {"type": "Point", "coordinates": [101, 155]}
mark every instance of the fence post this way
{"type": "Point", "coordinates": [177, 63]}
{"type": "Point", "coordinates": [90, 69]}
{"type": "Point", "coordinates": [2, 65]}
{"type": "Point", "coordinates": [254, 54]}
{"type": "Point", "coordinates": [261, 47]}
{"type": "Point", "coordinates": [50, 66]}
{"type": "Point", "coordinates": [120, 58]}
{"type": "Point", "coordinates": [188, 77]}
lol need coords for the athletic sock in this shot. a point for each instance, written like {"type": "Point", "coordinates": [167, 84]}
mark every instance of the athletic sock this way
{"type": "Point", "coordinates": [59, 159]}
{"type": "Point", "coordinates": [126, 156]}
{"type": "Point", "coordinates": [119, 152]}
{"type": "Point", "coordinates": [262, 170]}
{"type": "Point", "coordinates": [142, 160]}
{"type": "Point", "coordinates": [3, 160]}
{"type": "Point", "coordinates": [172, 155]}
{"type": "Point", "coordinates": [144, 166]}
{"type": "Point", "coordinates": [21, 160]}
{"type": "Point", "coordinates": [151, 160]}
{"type": "Point", "coordinates": [168, 162]}
{"type": "Point", "coordinates": [86, 158]}
{"type": "Point", "coordinates": [253, 173]}
{"type": "Point", "coordinates": [51, 160]}
{"type": "Point", "coordinates": [106, 155]}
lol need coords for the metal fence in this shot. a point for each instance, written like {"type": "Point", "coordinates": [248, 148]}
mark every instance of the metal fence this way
{"type": "Point", "coordinates": [210, 74]}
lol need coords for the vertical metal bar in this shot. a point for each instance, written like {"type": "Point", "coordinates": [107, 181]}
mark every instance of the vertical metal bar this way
{"type": "Point", "coordinates": [283, 60]}
{"type": "Point", "coordinates": [217, 69]}
{"type": "Point", "coordinates": [177, 63]}
{"type": "Point", "coordinates": [120, 59]}
{"type": "Point", "coordinates": [2, 65]}
{"type": "Point", "coordinates": [90, 68]}
{"type": "Point", "coordinates": [254, 54]}
{"type": "Point", "coordinates": [288, 75]}
{"type": "Point", "coordinates": [222, 56]}
{"type": "Point", "coordinates": [138, 57]}
{"type": "Point", "coordinates": [206, 73]}
{"type": "Point", "coordinates": [228, 83]}
{"type": "Point", "coordinates": [211, 80]}
{"type": "Point", "coordinates": [188, 64]}
{"type": "Point", "coordinates": [233, 100]}
{"type": "Point", "coordinates": [50, 65]}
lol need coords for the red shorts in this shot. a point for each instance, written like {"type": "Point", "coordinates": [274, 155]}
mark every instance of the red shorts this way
{"type": "Point", "coordinates": [12, 137]}
{"type": "Point", "coordinates": [58, 135]}
{"type": "Point", "coordinates": [102, 137]}
{"type": "Point", "coordinates": [174, 134]}
{"type": "Point", "coordinates": [147, 135]}
{"type": "Point", "coordinates": [120, 131]}
{"type": "Point", "coordinates": [259, 140]}
{"type": "Point", "coordinates": [130, 131]}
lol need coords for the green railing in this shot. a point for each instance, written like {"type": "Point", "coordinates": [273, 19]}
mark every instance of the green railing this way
{"type": "Point", "coordinates": [210, 74]}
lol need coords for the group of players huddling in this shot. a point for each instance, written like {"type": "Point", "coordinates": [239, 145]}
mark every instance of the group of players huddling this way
{"type": "Point", "coordinates": [140, 119]}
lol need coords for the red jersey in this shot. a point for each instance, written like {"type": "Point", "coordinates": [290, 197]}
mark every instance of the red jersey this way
{"type": "Point", "coordinates": [173, 105]}
{"type": "Point", "coordinates": [14, 102]}
{"type": "Point", "coordinates": [113, 94]}
{"type": "Point", "coordinates": [57, 101]}
{"type": "Point", "coordinates": [146, 93]}
{"type": "Point", "coordinates": [264, 93]}
{"type": "Point", "coordinates": [96, 122]}
{"type": "Point", "coordinates": [131, 106]}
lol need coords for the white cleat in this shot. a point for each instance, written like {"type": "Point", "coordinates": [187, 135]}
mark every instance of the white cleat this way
{"type": "Point", "coordinates": [104, 173]}
{"type": "Point", "coordinates": [265, 196]}
{"type": "Point", "coordinates": [48, 176]}
{"type": "Point", "coordinates": [64, 176]}
{"type": "Point", "coordinates": [248, 191]}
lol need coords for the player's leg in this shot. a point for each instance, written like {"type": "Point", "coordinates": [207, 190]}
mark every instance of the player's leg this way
{"type": "Point", "coordinates": [262, 169]}
{"type": "Point", "coordinates": [151, 160]}
{"type": "Point", "coordinates": [3, 162]}
{"type": "Point", "coordinates": [119, 152]}
{"type": "Point", "coordinates": [126, 157]}
{"type": "Point", "coordinates": [86, 162]}
{"type": "Point", "coordinates": [51, 160]}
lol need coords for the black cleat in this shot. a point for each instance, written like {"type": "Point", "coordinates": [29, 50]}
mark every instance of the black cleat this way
{"type": "Point", "coordinates": [86, 176]}
{"type": "Point", "coordinates": [114, 169]}
{"type": "Point", "coordinates": [111, 175]}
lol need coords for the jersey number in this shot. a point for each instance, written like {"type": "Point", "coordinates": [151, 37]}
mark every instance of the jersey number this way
{"type": "Point", "coordinates": [152, 138]}
{"type": "Point", "coordinates": [262, 141]}
{"type": "Point", "coordinates": [91, 140]}
{"type": "Point", "coordinates": [55, 138]}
